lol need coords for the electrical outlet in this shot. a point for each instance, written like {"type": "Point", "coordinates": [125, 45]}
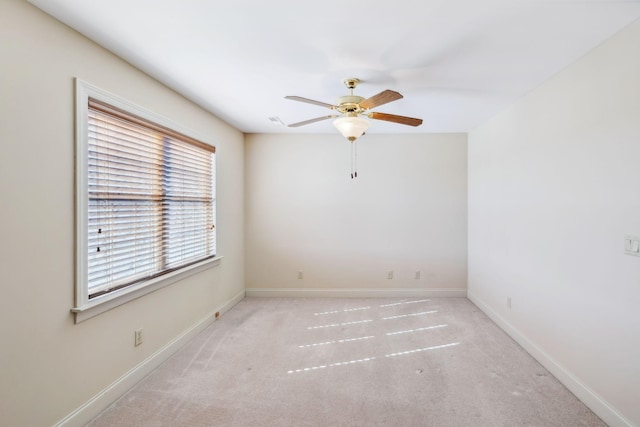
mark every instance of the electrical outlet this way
{"type": "Point", "coordinates": [509, 302]}
{"type": "Point", "coordinates": [390, 274]}
{"type": "Point", "coordinates": [417, 276]}
{"type": "Point", "coordinates": [300, 275]}
{"type": "Point", "coordinates": [138, 337]}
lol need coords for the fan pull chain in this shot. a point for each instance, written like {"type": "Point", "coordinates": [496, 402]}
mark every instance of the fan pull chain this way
{"type": "Point", "coordinates": [354, 159]}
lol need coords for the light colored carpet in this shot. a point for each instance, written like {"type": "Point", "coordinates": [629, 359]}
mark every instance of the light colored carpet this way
{"type": "Point", "coordinates": [350, 362]}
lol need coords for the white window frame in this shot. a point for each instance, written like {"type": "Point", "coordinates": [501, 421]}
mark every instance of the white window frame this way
{"type": "Point", "coordinates": [86, 308]}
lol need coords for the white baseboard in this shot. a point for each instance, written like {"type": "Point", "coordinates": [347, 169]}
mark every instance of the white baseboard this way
{"type": "Point", "coordinates": [354, 293]}
{"type": "Point", "coordinates": [113, 392]}
{"type": "Point", "coordinates": [590, 398]}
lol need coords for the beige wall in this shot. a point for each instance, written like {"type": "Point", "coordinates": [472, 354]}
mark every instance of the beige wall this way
{"type": "Point", "coordinates": [406, 211]}
{"type": "Point", "coordinates": [553, 189]}
{"type": "Point", "coordinates": [49, 366]}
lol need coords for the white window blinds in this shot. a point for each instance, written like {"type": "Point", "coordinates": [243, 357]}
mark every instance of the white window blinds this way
{"type": "Point", "coordinates": [151, 200]}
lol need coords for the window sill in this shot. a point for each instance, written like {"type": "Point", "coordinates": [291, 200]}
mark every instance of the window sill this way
{"type": "Point", "coordinates": [107, 302]}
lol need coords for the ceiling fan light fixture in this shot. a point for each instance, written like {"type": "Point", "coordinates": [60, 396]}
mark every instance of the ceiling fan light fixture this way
{"type": "Point", "coordinates": [351, 127]}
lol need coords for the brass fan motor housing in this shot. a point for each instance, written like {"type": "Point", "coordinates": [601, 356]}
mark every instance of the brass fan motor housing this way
{"type": "Point", "coordinates": [349, 104]}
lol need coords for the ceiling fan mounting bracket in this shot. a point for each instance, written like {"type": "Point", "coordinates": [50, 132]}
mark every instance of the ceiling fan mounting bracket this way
{"type": "Point", "coordinates": [351, 83]}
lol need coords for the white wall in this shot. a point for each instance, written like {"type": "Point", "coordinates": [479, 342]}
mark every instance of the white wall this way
{"type": "Point", "coordinates": [554, 186]}
{"type": "Point", "coordinates": [406, 211]}
{"type": "Point", "coordinates": [50, 366]}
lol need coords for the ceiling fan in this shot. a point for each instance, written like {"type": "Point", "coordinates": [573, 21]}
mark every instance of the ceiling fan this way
{"type": "Point", "coordinates": [351, 107]}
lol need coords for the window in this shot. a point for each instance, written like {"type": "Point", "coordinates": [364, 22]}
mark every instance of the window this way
{"type": "Point", "coordinates": [146, 203]}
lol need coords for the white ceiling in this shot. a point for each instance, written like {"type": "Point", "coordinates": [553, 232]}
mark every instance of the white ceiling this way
{"type": "Point", "coordinates": [457, 62]}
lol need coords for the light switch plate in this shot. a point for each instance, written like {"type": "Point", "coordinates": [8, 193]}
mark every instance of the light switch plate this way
{"type": "Point", "coordinates": [632, 245]}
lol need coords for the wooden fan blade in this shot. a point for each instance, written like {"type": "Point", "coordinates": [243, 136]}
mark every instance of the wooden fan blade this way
{"type": "Point", "coordinates": [379, 99]}
{"type": "Point", "coordinates": [396, 119]}
{"type": "Point", "coordinates": [306, 122]}
{"type": "Point", "coordinates": [309, 101]}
